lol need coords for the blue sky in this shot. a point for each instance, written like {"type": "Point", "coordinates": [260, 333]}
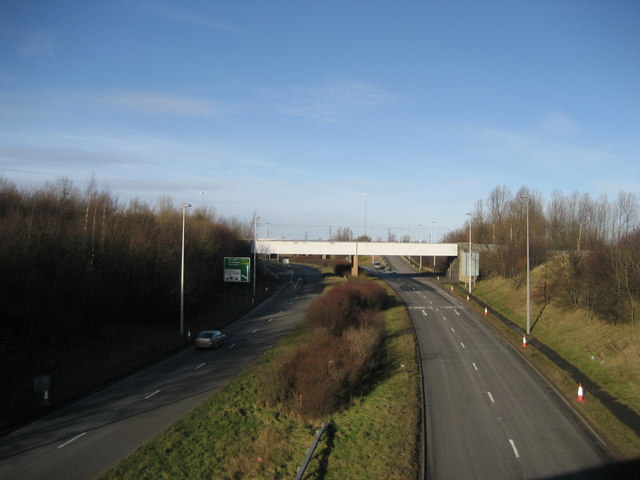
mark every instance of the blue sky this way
{"type": "Point", "coordinates": [295, 109]}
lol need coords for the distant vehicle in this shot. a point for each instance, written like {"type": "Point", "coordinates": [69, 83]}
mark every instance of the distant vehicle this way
{"type": "Point", "coordinates": [210, 339]}
{"type": "Point", "coordinates": [377, 265]}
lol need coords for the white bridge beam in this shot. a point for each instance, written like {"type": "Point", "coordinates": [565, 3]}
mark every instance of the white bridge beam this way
{"type": "Point", "coordinates": [291, 247]}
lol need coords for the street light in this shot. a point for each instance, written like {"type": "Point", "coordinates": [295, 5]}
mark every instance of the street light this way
{"type": "Point", "coordinates": [469, 257]}
{"type": "Point", "coordinates": [255, 226]}
{"type": "Point", "coordinates": [431, 241]}
{"type": "Point", "coordinates": [420, 227]}
{"type": "Point", "coordinates": [526, 197]}
{"type": "Point", "coordinates": [365, 195]}
{"type": "Point", "coordinates": [184, 213]}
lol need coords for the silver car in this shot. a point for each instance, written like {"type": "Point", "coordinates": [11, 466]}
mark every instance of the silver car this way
{"type": "Point", "coordinates": [210, 339]}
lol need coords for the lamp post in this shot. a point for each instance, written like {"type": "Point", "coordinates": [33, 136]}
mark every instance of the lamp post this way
{"type": "Point", "coordinates": [184, 214]}
{"type": "Point", "coordinates": [526, 197]}
{"type": "Point", "coordinates": [365, 195]}
{"type": "Point", "coordinates": [255, 227]}
{"type": "Point", "coordinates": [434, 257]}
{"type": "Point", "coordinates": [469, 257]}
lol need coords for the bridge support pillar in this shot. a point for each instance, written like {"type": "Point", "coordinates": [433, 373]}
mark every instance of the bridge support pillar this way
{"type": "Point", "coordinates": [354, 267]}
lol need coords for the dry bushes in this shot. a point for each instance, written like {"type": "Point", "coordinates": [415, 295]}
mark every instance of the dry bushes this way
{"type": "Point", "coordinates": [323, 374]}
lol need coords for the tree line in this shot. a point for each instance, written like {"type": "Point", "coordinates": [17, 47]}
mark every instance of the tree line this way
{"type": "Point", "coordinates": [74, 261]}
{"type": "Point", "coordinates": [590, 247]}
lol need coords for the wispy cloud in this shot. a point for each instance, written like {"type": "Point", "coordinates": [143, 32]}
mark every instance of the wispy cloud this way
{"type": "Point", "coordinates": [153, 103]}
{"type": "Point", "coordinates": [334, 100]}
{"type": "Point", "coordinates": [192, 19]}
{"type": "Point", "coordinates": [38, 43]}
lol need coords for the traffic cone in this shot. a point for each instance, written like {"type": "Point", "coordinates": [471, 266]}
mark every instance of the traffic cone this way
{"type": "Point", "coordinates": [452, 288]}
{"type": "Point", "coordinates": [189, 334]}
{"type": "Point", "coordinates": [580, 397]}
{"type": "Point", "coordinates": [45, 398]}
{"type": "Point", "coordinates": [438, 277]}
{"type": "Point", "coordinates": [486, 312]}
{"type": "Point", "coordinates": [524, 340]}
{"type": "Point", "coordinates": [467, 298]}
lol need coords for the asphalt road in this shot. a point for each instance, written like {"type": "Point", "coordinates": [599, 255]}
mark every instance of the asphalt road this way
{"type": "Point", "coordinates": [86, 438]}
{"type": "Point", "coordinates": [489, 414]}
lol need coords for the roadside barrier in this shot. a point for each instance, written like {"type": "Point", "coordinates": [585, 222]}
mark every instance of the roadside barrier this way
{"type": "Point", "coordinates": [302, 468]}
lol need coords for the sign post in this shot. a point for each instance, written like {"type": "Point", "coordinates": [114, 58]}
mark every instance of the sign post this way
{"type": "Point", "coordinates": [237, 269]}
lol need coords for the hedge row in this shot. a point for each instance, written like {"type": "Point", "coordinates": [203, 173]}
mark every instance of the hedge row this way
{"type": "Point", "coordinates": [322, 375]}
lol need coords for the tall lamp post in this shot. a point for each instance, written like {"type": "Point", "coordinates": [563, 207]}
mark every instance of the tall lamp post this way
{"type": "Point", "coordinates": [255, 238]}
{"type": "Point", "coordinates": [526, 198]}
{"type": "Point", "coordinates": [431, 241]}
{"type": "Point", "coordinates": [365, 195]}
{"type": "Point", "coordinates": [184, 214]}
{"type": "Point", "coordinates": [469, 257]}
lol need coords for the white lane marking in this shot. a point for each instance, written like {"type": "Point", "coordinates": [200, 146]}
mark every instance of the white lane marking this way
{"type": "Point", "coordinates": [491, 397]}
{"type": "Point", "coordinates": [231, 346]}
{"type": "Point", "coordinates": [474, 366]}
{"type": "Point", "coordinates": [515, 450]}
{"type": "Point", "coordinates": [453, 330]}
{"type": "Point", "coordinates": [152, 394]}
{"type": "Point", "coordinates": [255, 331]}
{"type": "Point", "coordinates": [462, 345]}
{"type": "Point", "coordinates": [270, 319]}
{"type": "Point", "coordinates": [72, 440]}
{"type": "Point", "coordinates": [201, 365]}
{"type": "Point", "coordinates": [424, 312]}
{"type": "Point", "coordinates": [456, 312]}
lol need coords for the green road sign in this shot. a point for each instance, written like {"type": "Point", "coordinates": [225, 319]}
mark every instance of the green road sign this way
{"type": "Point", "coordinates": [237, 269]}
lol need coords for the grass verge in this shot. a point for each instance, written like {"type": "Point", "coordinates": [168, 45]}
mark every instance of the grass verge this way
{"type": "Point", "coordinates": [235, 434]}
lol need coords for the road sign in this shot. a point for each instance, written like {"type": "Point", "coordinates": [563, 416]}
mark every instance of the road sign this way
{"type": "Point", "coordinates": [237, 269]}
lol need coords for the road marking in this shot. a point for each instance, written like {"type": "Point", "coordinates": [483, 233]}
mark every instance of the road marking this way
{"type": "Point", "coordinates": [491, 397]}
{"type": "Point", "coordinates": [270, 319]}
{"type": "Point", "coordinates": [456, 312]}
{"type": "Point", "coordinates": [515, 450]}
{"type": "Point", "coordinates": [72, 440]}
{"type": "Point", "coordinates": [462, 345]}
{"type": "Point", "coordinates": [231, 346]}
{"type": "Point", "coordinates": [474, 366]}
{"type": "Point", "coordinates": [255, 331]}
{"type": "Point", "coordinates": [424, 312]}
{"type": "Point", "coordinates": [201, 365]}
{"type": "Point", "coordinates": [453, 330]}
{"type": "Point", "coordinates": [151, 395]}
{"type": "Point", "coordinates": [444, 318]}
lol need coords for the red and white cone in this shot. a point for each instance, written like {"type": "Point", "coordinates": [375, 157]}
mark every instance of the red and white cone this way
{"type": "Point", "coordinates": [189, 334]}
{"type": "Point", "coordinates": [486, 312]}
{"type": "Point", "coordinates": [468, 298]}
{"type": "Point", "coordinates": [45, 398]}
{"type": "Point", "coordinates": [524, 341]}
{"type": "Point", "coordinates": [452, 288]}
{"type": "Point", "coordinates": [580, 397]}
{"type": "Point", "coordinates": [438, 277]}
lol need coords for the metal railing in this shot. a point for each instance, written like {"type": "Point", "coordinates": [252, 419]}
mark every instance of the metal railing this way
{"type": "Point", "coordinates": [303, 467]}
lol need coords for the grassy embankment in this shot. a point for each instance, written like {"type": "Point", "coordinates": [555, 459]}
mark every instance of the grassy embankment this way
{"type": "Point", "coordinates": [236, 434]}
{"type": "Point", "coordinates": [609, 355]}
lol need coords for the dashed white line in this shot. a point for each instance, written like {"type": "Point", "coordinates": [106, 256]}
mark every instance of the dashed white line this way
{"type": "Point", "coordinates": [151, 395]}
{"type": "Point", "coordinates": [453, 330]}
{"type": "Point", "coordinates": [515, 450]}
{"type": "Point", "coordinates": [456, 312]}
{"type": "Point", "coordinates": [72, 440]}
{"type": "Point", "coordinates": [491, 397]}
{"type": "Point", "coordinates": [201, 365]}
{"type": "Point", "coordinates": [255, 331]}
{"type": "Point", "coordinates": [424, 312]}
{"type": "Point", "coordinates": [270, 320]}
{"type": "Point", "coordinates": [444, 318]}
{"type": "Point", "coordinates": [462, 345]}
{"type": "Point", "coordinates": [231, 346]}
{"type": "Point", "coordinates": [474, 366]}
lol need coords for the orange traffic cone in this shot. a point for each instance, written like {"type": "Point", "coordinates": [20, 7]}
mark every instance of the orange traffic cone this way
{"type": "Point", "coordinates": [486, 312]}
{"type": "Point", "coordinates": [524, 341]}
{"type": "Point", "coordinates": [580, 397]}
{"type": "Point", "coordinates": [45, 398]}
{"type": "Point", "coordinates": [452, 288]}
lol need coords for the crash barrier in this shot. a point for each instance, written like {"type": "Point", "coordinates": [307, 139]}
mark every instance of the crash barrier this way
{"type": "Point", "coordinates": [303, 467]}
